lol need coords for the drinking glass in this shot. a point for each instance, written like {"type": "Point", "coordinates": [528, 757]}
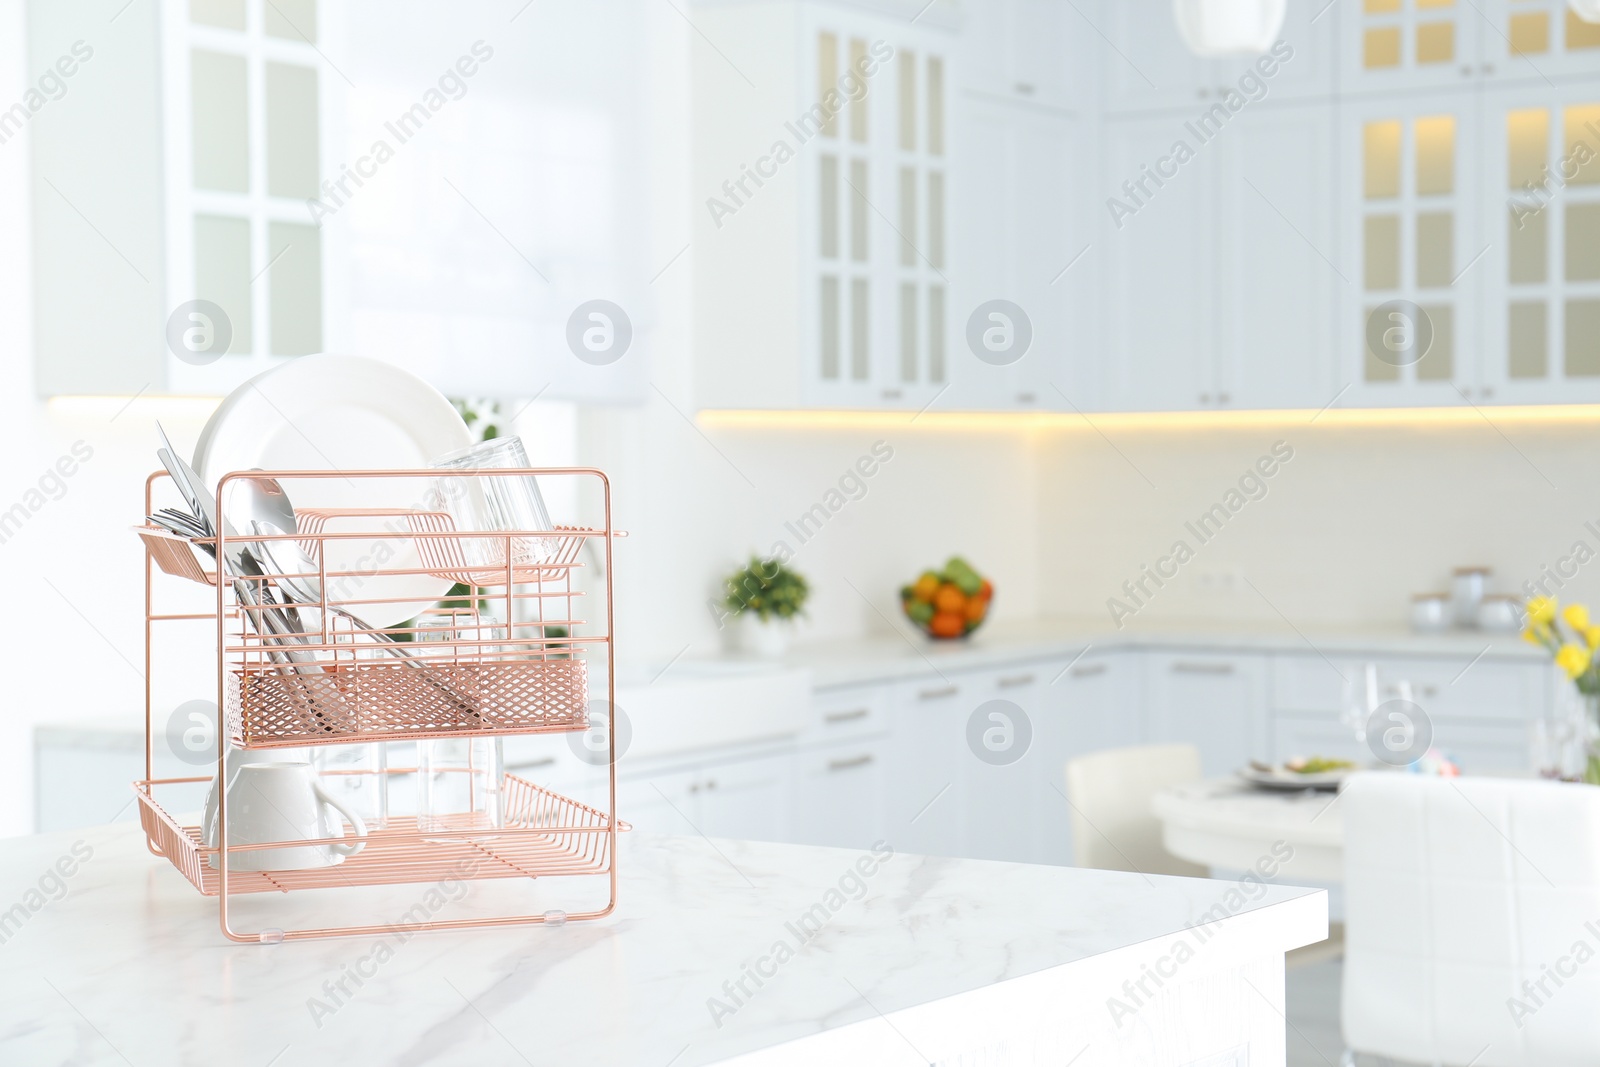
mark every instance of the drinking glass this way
{"type": "Point", "coordinates": [490, 504]}
{"type": "Point", "coordinates": [356, 776]}
{"type": "Point", "coordinates": [460, 796]}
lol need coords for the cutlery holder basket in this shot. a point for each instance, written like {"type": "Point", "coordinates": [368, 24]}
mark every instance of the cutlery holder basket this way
{"type": "Point", "coordinates": [370, 625]}
{"type": "Point", "coordinates": [267, 708]}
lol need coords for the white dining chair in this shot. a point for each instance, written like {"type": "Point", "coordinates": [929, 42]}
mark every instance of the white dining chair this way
{"type": "Point", "coordinates": [1472, 921]}
{"type": "Point", "coordinates": [1109, 794]}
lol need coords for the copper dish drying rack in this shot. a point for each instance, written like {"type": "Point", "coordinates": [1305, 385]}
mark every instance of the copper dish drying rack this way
{"type": "Point", "coordinates": [509, 656]}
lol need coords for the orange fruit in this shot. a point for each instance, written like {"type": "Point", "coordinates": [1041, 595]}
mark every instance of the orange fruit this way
{"type": "Point", "coordinates": [926, 587]}
{"type": "Point", "coordinates": [947, 624]}
{"type": "Point", "coordinates": [986, 590]}
{"type": "Point", "coordinates": [950, 599]}
{"type": "Point", "coordinates": [977, 607]}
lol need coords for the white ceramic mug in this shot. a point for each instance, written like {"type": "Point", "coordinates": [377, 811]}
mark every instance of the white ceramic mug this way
{"type": "Point", "coordinates": [282, 802]}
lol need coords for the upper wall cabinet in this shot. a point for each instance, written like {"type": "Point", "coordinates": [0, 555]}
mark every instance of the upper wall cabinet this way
{"type": "Point", "coordinates": [1531, 40]}
{"type": "Point", "coordinates": [1412, 221]}
{"type": "Point", "coordinates": [173, 251]}
{"type": "Point", "coordinates": [1023, 281]}
{"type": "Point", "coordinates": [1541, 320]}
{"type": "Point", "coordinates": [1220, 291]}
{"type": "Point", "coordinates": [1410, 44]}
{"type": "Point", "coordinates": [1147, 66]}
{"type": "Point", "coordinates": [1033, 51]}
{"type": "Point", "coordinates": [1406, 44]}
{"type": "Point", "coordinates": [822, 198]}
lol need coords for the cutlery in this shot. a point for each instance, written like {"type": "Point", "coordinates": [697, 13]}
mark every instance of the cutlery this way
{"type": "Point", "coordinates": [287, 563]}
{"type": "Point", "coordinates": [278, 630]}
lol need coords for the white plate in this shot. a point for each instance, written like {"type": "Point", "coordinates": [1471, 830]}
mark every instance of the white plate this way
{"type": "Point", "coordinates": [341, 413]}
{"type": "Point", "coordinates": [1287, 780]}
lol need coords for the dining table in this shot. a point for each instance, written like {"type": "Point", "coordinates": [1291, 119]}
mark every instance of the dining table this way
{"type": "Point", "coordinates": [1230, 825]}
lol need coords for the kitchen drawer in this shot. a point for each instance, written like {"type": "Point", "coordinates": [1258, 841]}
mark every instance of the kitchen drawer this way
{"type": "Point", "coordinates": [1489, 689]}
{"type": "Point", "coordinates": [841, 791]}
{"type": "Point", "coordinates": [841, 714]}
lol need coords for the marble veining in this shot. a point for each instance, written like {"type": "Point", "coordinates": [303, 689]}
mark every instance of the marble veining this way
{"type": "Point", "coordinates": [124, 961]}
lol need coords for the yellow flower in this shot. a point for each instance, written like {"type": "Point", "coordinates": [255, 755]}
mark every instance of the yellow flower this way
{"type": "Point", "coordinates": [1574, 659]}
{"type": "Point", "coordinates": [1541, 610]}
{"type": "Point", "coordinates": [1534, 635]}
{"type": "Point", "coordinates": [1577, 617]}
{"type": "Point", "coordinates": [1592, 636]}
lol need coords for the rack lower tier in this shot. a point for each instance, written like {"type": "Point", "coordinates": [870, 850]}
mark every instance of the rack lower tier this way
{"type": "Point", "coordinates": [546, 835]}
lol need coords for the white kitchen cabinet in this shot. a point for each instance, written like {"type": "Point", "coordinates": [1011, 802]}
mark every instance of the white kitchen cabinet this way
{"type": "Point", "coordinates": [841, 793]}
{"type": "Point", "coordinates": [1146, 65]}
{"type": "Point", "coordinates": [1388, 46]}
{"type": "Point", "coordinates": [213, 121]}
{"type": "Point", "coordinates": [1160, 259]}
{"type": "Point", "coordinates": [1001, 809]}
{"type": "Point", "coordinates": [1214, 701]}
{"type": "Point", "coordinates": [1532, 40]}
{"type": "Point", "coordinates": [1085, 706]}
{"type": "Point", "coordinates": [822, 236]}
{"type": "Point", "coordinates": [1541, 217]}
{"type": "Point", "coordinates": [737, 795]}
{"type": "Point", "coordinates": [1222, 285]}
{"type": "Point", "coordinates": [1034, 51]}
{"type": "Point", "coordinates": [927, 777]}
{"type": "Point", "coordinates": [1412, 233]}
{"type": "Point", "coordinates": [1022, 181]}
{"type": "Point", "coordinates": [1278, 285]}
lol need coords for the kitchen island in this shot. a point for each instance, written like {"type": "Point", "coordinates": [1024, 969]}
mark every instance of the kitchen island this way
{"type": "Point", "coordinates": [720, 952]}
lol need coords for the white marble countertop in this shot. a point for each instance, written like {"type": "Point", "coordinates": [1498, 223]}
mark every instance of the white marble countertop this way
{"type": "Point", "coordinates": [899, 656]}
{"type": "Point", "coordinates": [108, 956]}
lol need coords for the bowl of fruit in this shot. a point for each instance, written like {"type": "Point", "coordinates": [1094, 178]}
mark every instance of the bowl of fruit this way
{"type": "Point", "coordinates": [948, 603]}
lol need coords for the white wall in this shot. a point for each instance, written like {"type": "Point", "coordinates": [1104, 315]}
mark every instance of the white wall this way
{"type": "Point", "coordinates": [1358, 520]}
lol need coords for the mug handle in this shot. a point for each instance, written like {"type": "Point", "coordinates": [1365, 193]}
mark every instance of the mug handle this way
{"type": "Point", "coordinates": [349, 816]}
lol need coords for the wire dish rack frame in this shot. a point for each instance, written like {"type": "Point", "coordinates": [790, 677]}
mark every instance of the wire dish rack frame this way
{"type": "Point", "coordinates": [511, 655]}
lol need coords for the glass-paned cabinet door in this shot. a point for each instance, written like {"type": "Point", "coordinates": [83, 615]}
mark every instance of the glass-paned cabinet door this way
{"type": "Point", "coordinates": [840, 182]}
{"type": "Point", "coordinates": [874, 205]}
{"type": "Point", "coordinates": [245, 117]}
{"type": "Point", "coordinates": [1413, 249]}
{"type": "Point", "coordinates": [1404, 44]}
{"type": "Point", "coordinates": [1542, 274]}
{"type": "Point", "coordinates": [1531, 40]}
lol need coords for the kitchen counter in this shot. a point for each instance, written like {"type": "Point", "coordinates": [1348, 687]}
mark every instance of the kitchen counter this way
{"type": "Point", "coordinates": [720, 952]}
{"type": "Point", "coordinates": [885, 657]}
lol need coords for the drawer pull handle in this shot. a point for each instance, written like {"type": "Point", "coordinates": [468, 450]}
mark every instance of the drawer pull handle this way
{"type": "Point", "coordinates": [529, 765]}
{"type": "Point", "coordinates": [1202, 668]}
{"type": "Point", "coordinates": [848, 764]}
{"type": "Point", "coordinates": [1016, 680]}
{"type": "Point", "coordinates": [935, 694]}
{"type": "Point", "coordinates": [1088, 670]}
{"type": "Point", "coordinates": [847, 716]}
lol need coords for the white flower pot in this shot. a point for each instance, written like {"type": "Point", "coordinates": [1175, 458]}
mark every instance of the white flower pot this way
{"type": "Point", "coordinates": [1587, 10]}
{"type": "Point", "coordinates": [767, 640]}
{"type": "Point", "coordinates": [1229, 27]}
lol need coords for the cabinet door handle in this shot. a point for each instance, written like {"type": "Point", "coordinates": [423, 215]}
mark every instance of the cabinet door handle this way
{"type": "Point", "coordinates": [1430, 690]}
{"type": "Point", "coordinates": [847, 716]}
{"type": "Point", "coordinates": [529, 765]}
{"type": "Point", "coordinates": [891, 394]}
{"type": "Point", "coordinates": [1205, 398]}
{"type": "Point", "coordinates": [1202, 668]}
{"type": "Point", "coordinates": [847, 764]}
{"type": "Point", "coordinates": [1016, 680]}
{"type": "Point", "coordinates": [711, 783]}
{"type": "Point", "coordinates": [1025, 88]}
{"type": "Point", "coordinates": [1223, 398]}
{"type": "Point", "coordinates": [1027, 398]}
{"type": "Point", "coordinates": [936, 694]}
{"type": "Point", "coordinates": [1088, 670]}
{"type": "Point", "coordinates": [694, 787]}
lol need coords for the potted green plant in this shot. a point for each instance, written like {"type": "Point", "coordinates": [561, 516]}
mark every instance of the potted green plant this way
{"type": "Point", "coordinates": [766, 597]}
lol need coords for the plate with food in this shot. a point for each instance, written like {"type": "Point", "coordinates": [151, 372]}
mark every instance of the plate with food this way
{"type": "Point", "coordinates": [1299, 772]}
